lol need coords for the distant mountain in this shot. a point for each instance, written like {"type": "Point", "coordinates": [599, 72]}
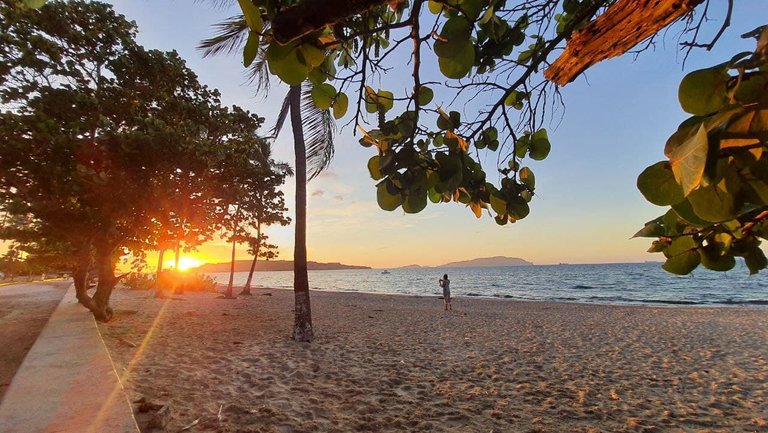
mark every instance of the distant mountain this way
{"type": "Point", "coordinates": [487, 262]}
{"type": "Point", "coordinates": [410, 267]}
{"type": "Point", "coordinates": [273, 265]}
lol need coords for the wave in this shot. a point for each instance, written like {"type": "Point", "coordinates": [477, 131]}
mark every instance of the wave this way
{"type": "Point", "coordinates": [582, 287]}
{"type": "Point", "coordinates": [670, 302]}
{"type": "Point", "coordinates": [747, 302]}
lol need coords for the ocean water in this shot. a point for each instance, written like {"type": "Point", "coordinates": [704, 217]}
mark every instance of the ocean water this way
{"type": "Point", "coordinates": [626, 283]}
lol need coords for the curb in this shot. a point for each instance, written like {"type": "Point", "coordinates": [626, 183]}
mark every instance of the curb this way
{"type": "Point", "coordinates": [67, 383]}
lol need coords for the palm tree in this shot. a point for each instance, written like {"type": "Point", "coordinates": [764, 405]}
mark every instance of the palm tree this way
{"type": "Point", "coordinates": [312, 129]}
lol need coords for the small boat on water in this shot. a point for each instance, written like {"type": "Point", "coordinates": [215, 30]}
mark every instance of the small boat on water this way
{"type": "Point", "coordinates": [385, 272]}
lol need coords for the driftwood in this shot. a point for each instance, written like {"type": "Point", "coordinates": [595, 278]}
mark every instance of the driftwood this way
{"type": "Point", "coordinates": [623, 25]}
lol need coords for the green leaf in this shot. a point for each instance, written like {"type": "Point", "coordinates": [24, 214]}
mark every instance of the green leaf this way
{"type": "Point", "coordinates": [283, 61]}
{"type": "Point", "coordinates": [34, 4]}
{"type": "Point", "coordinates": [415, 201]}
{"type": "Point", "coordinates": [755, 260]}
{"type": "Point", "coordinates": [713, 260]}
{"type": "Point", "coordinates": [652, 229]}
{"type": "Point", "coordinates": [658, 185]}
{"type": "Point", "coordinates": [425, 95]}
{"type": "Point", "coordinates": [685, 211]}
{"type": "Point", "coordinates": [386, 200]}
{"type": "Point", "coordinates": [435, 7]}
{"type": "Point", "coordinates": [703, 92]}
{"type": "Point", "coordinates": [498, 205]}
{"type": "Point", "coordinates": [540, 146]}
{"type": "Point", "coordinates": [340, 105]}
{"type": "Point", "coordinates": [682, 264]}
{"type": "Point", "coordinates": [373, 168]}
{"type": "Point", "coordinates": [386, 99]}
{"type": "Point", "coordinates": [527, 177]}
{"type": "Point", "coordinates": [689, 160]}
{"type": "Point", "coordinates": [681, 245]}
{"type": "Point", "coordinates": [251, 48]}
{"type": "Point", "coordinates": [458, 66]}
{"type": "Point", "coordinates": [518, 208]}
{"type": "Point", "coordinates": [312, 56]}
{"type": "Point", "coordinates": [322, 95]}
{"type": "Point", "coordinates": [714, 203]}
{"type": "Point", "coordinates": [454, 38]}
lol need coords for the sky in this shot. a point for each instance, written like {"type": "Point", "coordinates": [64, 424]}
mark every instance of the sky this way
{"type": "Point", "coordinates": [616, 120]}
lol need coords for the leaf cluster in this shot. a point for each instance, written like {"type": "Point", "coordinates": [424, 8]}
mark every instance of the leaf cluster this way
{"type": "Point", "coordinates": [715, 179]}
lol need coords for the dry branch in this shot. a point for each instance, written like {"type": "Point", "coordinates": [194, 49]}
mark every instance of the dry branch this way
{"type": "Point", "coordinates": [622, 26]}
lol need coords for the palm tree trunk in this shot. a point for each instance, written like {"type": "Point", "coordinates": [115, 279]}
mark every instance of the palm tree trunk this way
{"type": "Point", "coordinates": [158, 289]}
{"type": "Point", "coordinates": [178, 253]}
{"type": "Point", "coordinates": [228, 293]}
{"type": "Point", "coordinates": [247, 288]}
{"type": "Point", "coordinates": [302, 324]}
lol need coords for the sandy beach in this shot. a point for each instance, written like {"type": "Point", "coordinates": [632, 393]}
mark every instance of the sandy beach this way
{"type": "Point", "coordinates": [384, 363]}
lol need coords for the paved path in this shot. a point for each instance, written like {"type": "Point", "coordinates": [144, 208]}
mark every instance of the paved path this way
{"type": "Point", "coordinates": [24, 311]}
{"type": "Point", "coordinates": [67, 383]}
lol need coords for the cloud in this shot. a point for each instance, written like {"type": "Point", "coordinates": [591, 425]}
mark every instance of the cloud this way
{"type": "Point", "coordinates": [339, 197]}
{"type": "Point", "coordinates": [318, 193]}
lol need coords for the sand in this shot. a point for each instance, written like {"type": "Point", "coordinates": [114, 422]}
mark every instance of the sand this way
{"type": "Point", "coordinates": [401, 364]}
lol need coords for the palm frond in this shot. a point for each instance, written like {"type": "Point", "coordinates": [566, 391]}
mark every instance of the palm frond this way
{"type": "Point", "coordinates": [319, 128]}
{"type": "Point", "coordinates": [284, 112]}
{"type": "Point", "coordinates": [258, 72]}
{"type": "Point", "coordinates": [229, 37]}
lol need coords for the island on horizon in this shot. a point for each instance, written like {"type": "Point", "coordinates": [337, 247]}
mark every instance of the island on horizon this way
{"type": "Point", "coordinates": [273, 265]}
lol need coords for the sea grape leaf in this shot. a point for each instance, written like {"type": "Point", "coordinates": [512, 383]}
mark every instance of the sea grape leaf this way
{"type": "Point", "coordinates": [714, 203]}
{"type": "Point", "coordinates": [713, 260]}
{"type": "Point", "coordinates": [373, 167]}
{"type": "Point", "coordinates": [689, 160]}
{"type": "Point", "coordinates": [386, 200]}
{"type": "Point", "coordinates": [658, 185]}
{"type": "Point", "coordinates": [682, 264]}
{"type": "Point", "coordinates": [340, 105]}
{"type": "Point", "coordinates": [425, 95]}
{"type": "Point", "coordinates": [322, 95]}
{"type": "Point", "coordinates": [459, 65]}
{"type": "Point", "coordinates": [703, 92]}
{"type": "Point", "coordinates": [681, 245]}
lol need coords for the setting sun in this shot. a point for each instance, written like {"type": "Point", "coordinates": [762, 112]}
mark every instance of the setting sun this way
{"type": "Point", "coordinates": [185, 263]}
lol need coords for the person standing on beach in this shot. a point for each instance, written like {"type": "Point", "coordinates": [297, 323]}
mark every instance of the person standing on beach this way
{"type": "Point", "coordinates": [445, 283]}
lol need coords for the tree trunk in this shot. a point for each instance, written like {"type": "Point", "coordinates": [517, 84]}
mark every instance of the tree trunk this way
{"type": "Point", "coordinates": [159, 290]}
{"type": "Point", "coordinates": [177, 286]}
{"type": "Point", "coordinates": [228, 293]}
{"type": "Point", "coordinates": [80, 276]}
{"type": "Point", "coordinates": [302, 324]}
{"type": "Point", "coordinates": [247, 288]}
{"type": "Point", "coordinates": [105, 266]}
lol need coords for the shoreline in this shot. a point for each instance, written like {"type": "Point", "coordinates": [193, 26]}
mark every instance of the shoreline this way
{"type": "Point", "coordinates": [400, 363]}
{"type": "Point", "coordinates": [749, 304]}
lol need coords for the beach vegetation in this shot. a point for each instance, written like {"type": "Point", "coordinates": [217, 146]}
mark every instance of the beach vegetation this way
{"type": "Point", "coordinates": [109, 148]}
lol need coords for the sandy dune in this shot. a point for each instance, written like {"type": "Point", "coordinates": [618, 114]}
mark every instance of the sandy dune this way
{"type": "Point", "coordinates": [401, 364]}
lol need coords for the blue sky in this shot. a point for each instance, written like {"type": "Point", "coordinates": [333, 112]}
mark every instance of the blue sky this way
{"type": "Point", "coordinates": [615, 123]}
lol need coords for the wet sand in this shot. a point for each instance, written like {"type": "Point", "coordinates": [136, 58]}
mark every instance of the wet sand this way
{"type": "Point", "coordinates": [384, 363]}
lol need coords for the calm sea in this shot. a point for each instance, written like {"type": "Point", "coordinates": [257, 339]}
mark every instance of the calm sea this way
{"type": "Point", "coordinates": [627, 283]}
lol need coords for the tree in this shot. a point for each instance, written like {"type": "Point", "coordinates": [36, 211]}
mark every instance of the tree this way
{"type": "Point", "coordinates": [491, 54]}
{"type": "Point", "coordinates": [313, 150]}
{"type": "Point", "coordinates": [98, 130]}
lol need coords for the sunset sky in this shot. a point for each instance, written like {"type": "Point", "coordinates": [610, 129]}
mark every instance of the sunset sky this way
{"type": "Point", "coordinates": [615, 123]}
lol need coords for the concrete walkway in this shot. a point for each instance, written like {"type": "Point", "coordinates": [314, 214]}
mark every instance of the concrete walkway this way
{"type": "Point", "coordinates": [67, 382]}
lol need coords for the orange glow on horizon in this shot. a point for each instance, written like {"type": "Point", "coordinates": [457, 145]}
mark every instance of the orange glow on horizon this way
{"type": "Point", "coordinates": [185, 263]}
